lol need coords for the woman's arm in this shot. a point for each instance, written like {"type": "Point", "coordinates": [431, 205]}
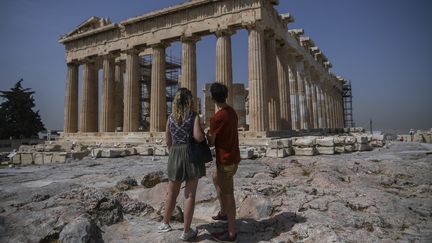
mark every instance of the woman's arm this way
{"type": "Point", "coordinates": [168, 137]}
{"type": "Point", "coordinates": [197, 130]}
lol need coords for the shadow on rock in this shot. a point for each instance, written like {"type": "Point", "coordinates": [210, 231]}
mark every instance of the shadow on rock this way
{"type": "Point", "coordinates": [254, 231]}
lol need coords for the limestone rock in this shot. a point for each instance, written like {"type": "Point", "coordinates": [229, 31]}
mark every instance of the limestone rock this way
{"type": "Point", "coordinates": [26, 158]}
{"type": "Point", "coordinates": [160, 151]}
{"type": "Point", "coordinates": [144, 150]}
{"type": "Point", "coordinates": [81, 230]}
{"type": "Point", "coordinates": [362, 139]}
{"type": "Point", "coordinates": [276, 153]}
{"type": "Point", "coordinates": [152, 179]}
{"type": "Point", "coordinates": [126, 183]}
{"type": "Point", "coordinates": [304, 151]}
{"type": "Point", "coordinates": [339, 149]}
{"type": "Point", "coordinates": [349, 140]}
{"type": "Point", "coordinates": [304, 142]}
{"type": "Point", "coordinates": [325, 150]}
{"type": "Point", "coordinates": [38, 158]}
{"type": "Point", "coordinates": [325, 142]}
{"type": "Point", "coordinates": [339, 140]}
{"type": "Point", "coordinates": [59, 157]}
{"type": "Point", "coordinates": [362, 147]}
{"type": "Point", "coordinates": [246, 153]}
{"type": "Point", "coordinates": [52, 148]}
{"type": "Point", "coordinates": [111, 153]}
{"type": "Point", "coordinates": [256, 208]}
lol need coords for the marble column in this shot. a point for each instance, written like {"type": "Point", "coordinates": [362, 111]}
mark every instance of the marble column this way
{"type": "Point", "coordinates": [294, 99]}
{"type": "Point", "coordinates": [188, 69]}
{"type": "Point", "coordinates": [71, 101]}
{"type": "Point", "coordinates": [89, 98]}
{"type": "Point", "coordinates": [224, 73]}
{"type": "Point", "coordinates": [131, 94]}
{"type": "Point", "coordinates": [158, 114]}
{"type": "Point", "coordinates": [315, 105]}
{"type": "Point", "coordinates": [323, 108]}
{"type": "Point", "coordinates": [119, 89]}
{"type": "Point", "coordinates": [107, 123]}
{"type": "Point", "coordinates": [258, 114]}
{"type": "Point", "coordinates": [319, 107]}
{"type": "Point", "coordinates": [273, 105]}
{"type": "Point", "coordinates": [308, 94]}
{"type": "Point", "coordinates": [304, 124]}
{"type": "Point", "coordinates": [327, 107]}
{"type": "Point", "coordinates": [284, 89]}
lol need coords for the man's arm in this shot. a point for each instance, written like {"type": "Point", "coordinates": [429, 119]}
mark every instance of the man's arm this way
{"type": "Point", "coordinates": [210, 138]}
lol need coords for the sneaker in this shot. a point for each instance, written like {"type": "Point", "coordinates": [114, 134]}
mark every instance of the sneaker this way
{"type": "Point", "coordinates": [189, 235]}
{"type": "Point", "coordinates": [220, 217]}
{"type": "Point", "coordinates": [164, 228]}
{"type": "Point", "coordinates": [224, 237]}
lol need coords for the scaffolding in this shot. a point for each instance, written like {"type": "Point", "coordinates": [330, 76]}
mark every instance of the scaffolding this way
{"type": "Point", "coordinates": [172, 73]}
{"type": "Point", "coordinates": [347, 101]}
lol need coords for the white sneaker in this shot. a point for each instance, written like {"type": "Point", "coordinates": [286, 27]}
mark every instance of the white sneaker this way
{"type": "Point", "coordinates": [162, 228]}
{"type": "Point", "coordinates": [189, 235]}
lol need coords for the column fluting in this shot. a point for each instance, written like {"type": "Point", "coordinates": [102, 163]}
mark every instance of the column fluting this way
{"type": "Point", "coordinates": [224, 73]}
{"type": "Point", "coordinates": [131, 93]}
{"type": "Point", "coordinates": [158, 114]}
{"type": "Point", "coordinates": [71, 101]}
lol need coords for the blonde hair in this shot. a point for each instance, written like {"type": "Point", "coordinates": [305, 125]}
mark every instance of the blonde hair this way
{"type": "Point", "coordinates": [183, 105]}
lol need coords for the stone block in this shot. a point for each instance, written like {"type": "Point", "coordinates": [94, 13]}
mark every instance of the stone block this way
{"type": "Point", "coordinates": [349, 140]}
{"type": "Point", "coordinates": [362, 139]}
{"type": "Point", "coordinates": [16, 159]}
{"type": "Point", "coordinates": [38, 158]}
{"type": "Point", "coordinates": [47, 158]}
{"type": "Point", "coordinates": [274, 144]}
{"type": "Point", "coordinates": [59, 157]}
{"type": "Point", "coordinates": [362, 147]}
{"type": "Point", "coordinates": [325, 150]}
{"type": "Point", "coordinates": [276, 153]}
{"type": "Point", "coordinates": [52, 148]}
{"type": "Point", "coordinates": [310, 151]}
{"type": "Point", "coordinates": [338, 141]}
{"type": "Point", "coordinates": [144, 150]}
{"type": "Point", "coordinates": [357, 129]}
{"type": "Point", "coordinates": [26, 148]}
{"type": "Point", "coordinates": [325, 142]}
{"type": "Point", "coordinates": [111, 153]}
{"type": "Point", "coordinates": [128, 152]}
{"type": "Point", "coordinates": [96, 153]}
{"type": "Point", "coordinates": [304, 142]}
{"type": "Point", "coordinates": [40, 147]}
{"type": "Point", "coordinates": [286, 142]}
{"type": "Point", "coordinates": [349, 148]}
{"type": "Point", "coordinates": [377, 137]}
{"type": "Point", "coordinates": [160, 151]}
{"type": "Point", "coordinates": [377, 143]}
{"type": "Point", "coordinates": [26, 158]}
{"type": "Point", "coordinates": [246, 153]}
{"type": "Point", "coordinates": [78, 155]}
{"type": "Point", "coordinates": [339, 149]}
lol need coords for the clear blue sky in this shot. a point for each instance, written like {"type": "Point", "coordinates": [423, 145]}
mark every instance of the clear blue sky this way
{"type": "Point", "coordinates": [383, 47]}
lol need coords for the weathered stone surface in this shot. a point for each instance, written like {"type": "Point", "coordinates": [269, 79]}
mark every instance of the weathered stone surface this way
{"type": "Point", "coordinates": [52, 148]}
{"type": "Point", "coordinates": [47, 158]}
{"type": "Point", "coordinates": [350, 148]}
{"type": "Point", "coordinates": [362, 139]}
{"type": "Point", "coordinates": [376, 196]}
{"type": "Point", "coordinates": [26, 148]}
{"type": "Point", "coordinates": [362, 147]}
{"type": "Point", "coordinates": [304, 151]}
{"type": "Point", "coordinates": [26, 158]}
{"type": "Point", "coordinates": [246, 153]}
{"type": "Point", "coordinates": [81, 230]}
{"type": "Point", "coordinates": [325, 150]}
{"type": "Point", "coordinates": [339, 140]}
{"type": "Point", "coordinates": [111, 153]}
{"type": "Point", "coordinates": [349, 140]}
{"type": "Point", "coordinates": [152, 179]}
{"type": "Point", "coordinates": [144, 150]}
{"type": "Point", "coordinates": [38, 158]}
{"type": "Point", "coordinates": [59, 157]}
{"type": "Point", "coordinates": [255, 208]}
{"type": "Point", "coordinates": [126, 183]}
{"type": "Point", "coordinates": [339, 149]}
{"type": "Point", "coordinates": [325, 142]}
{"type": "Point", "coordinates": [276, 153]}
{"type": "Point", "coordinates": [40, 147]}
{"type": "Point", "coordinates": [304, 142]}
{"type": "Point", "coordinates": [16, 158]}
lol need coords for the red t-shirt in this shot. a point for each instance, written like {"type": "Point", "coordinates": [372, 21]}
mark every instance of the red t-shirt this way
{"type": "Point", "coordinates": [223, 124]}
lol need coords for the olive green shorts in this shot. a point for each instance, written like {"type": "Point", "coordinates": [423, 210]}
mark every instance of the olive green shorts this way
{"type": "Point", "coordinates": [225, 174]}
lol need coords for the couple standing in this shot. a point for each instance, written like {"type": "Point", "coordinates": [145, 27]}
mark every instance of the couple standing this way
{"type": "Point", "coordinates": [183, 123]}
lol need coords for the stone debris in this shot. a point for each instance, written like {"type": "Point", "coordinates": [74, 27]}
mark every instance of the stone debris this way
{"type": "Point", "coordinates": [81, 230]}
{"type": "Point", "coordinates": [152, 179]}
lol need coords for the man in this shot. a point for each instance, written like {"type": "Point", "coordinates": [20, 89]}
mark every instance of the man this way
{"type": "Point", "coordinates": [223, 135]}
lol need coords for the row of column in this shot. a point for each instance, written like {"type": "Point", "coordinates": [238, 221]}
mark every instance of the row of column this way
{"type": "Point", "coordinates": [284, 92]}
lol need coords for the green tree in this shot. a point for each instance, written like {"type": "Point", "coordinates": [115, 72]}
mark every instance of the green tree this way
{"type": "Point", "coordinates": [17, 118]}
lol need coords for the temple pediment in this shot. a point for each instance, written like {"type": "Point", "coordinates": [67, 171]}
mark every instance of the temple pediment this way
{"type": "Point", "coordinates": [90, 24]}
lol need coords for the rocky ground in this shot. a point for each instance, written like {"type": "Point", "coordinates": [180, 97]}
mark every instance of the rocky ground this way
{"type": "Point", "coordinates": [380, 196]}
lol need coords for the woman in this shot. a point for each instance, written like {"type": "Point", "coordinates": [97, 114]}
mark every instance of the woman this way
{"type": "Point", "coordinates": [181, 124]}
